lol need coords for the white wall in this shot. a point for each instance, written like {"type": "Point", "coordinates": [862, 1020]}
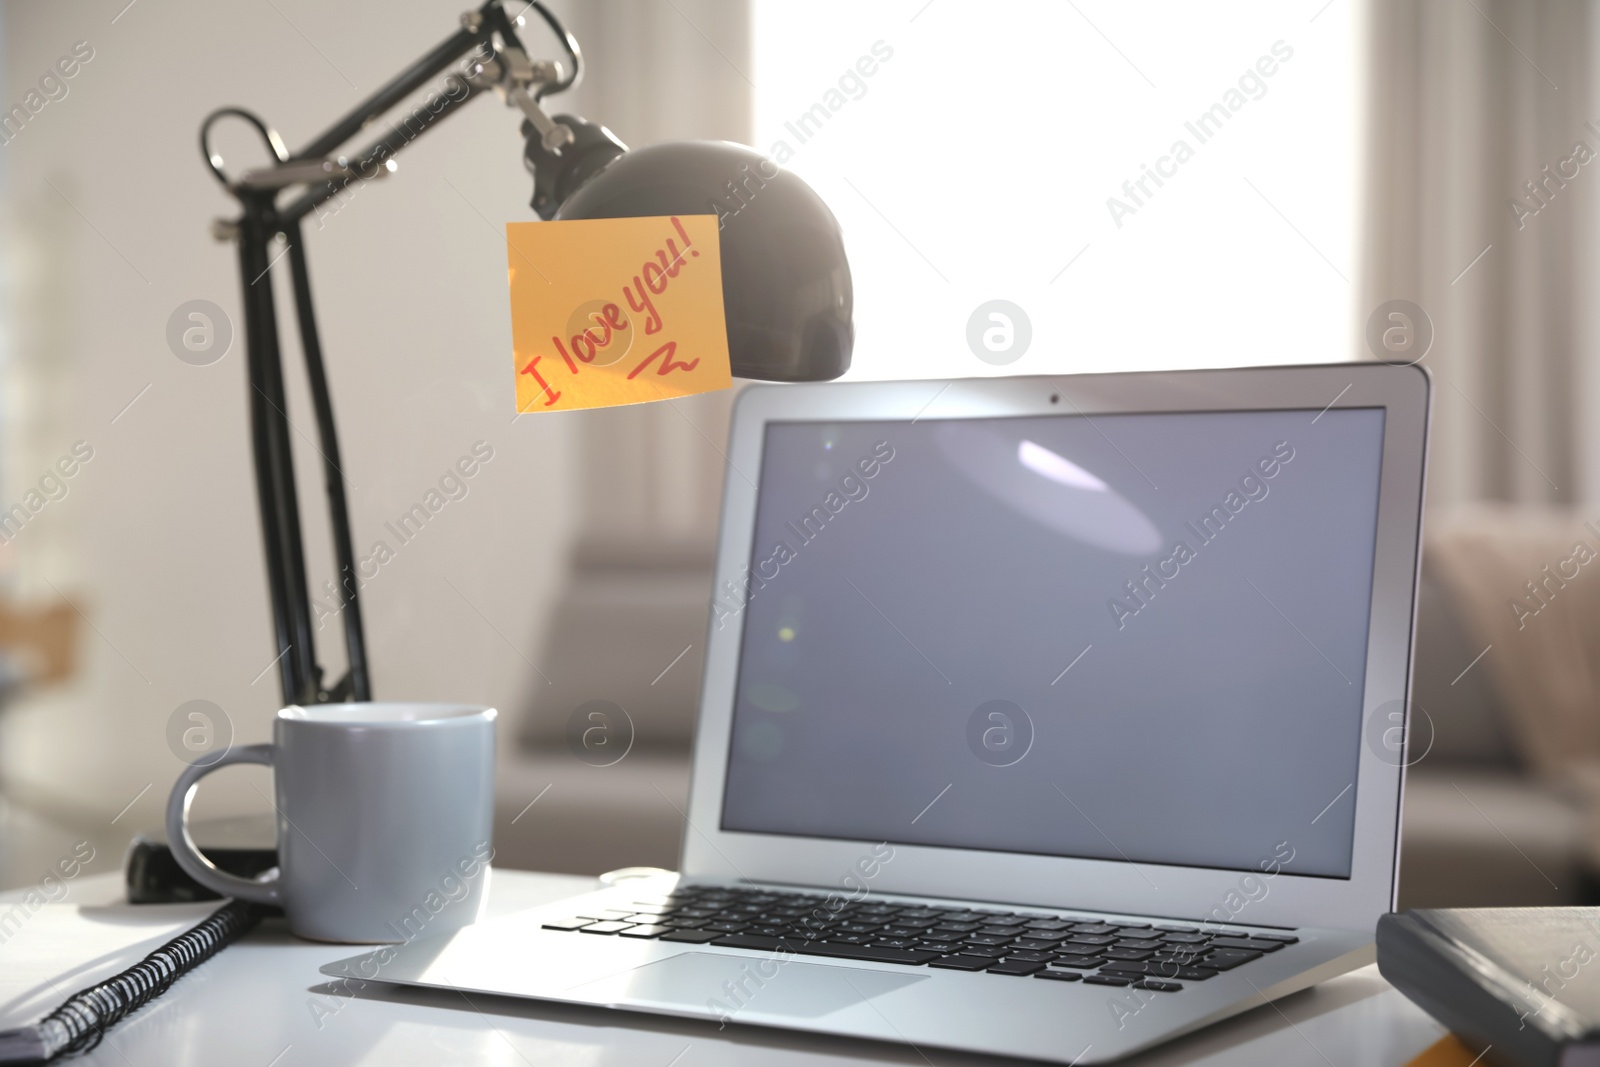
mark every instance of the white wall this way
{"type": "Point", "coordinates": [158, 540]}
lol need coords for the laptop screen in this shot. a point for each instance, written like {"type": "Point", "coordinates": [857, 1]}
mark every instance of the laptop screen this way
{"type": "Point", "coordinates": [1130, 637]}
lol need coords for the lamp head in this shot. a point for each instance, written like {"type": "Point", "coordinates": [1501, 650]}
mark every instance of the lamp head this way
{"type": "Point", "coordinates": [785, 280]}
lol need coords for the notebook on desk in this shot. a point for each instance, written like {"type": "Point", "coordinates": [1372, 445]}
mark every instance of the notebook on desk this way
{"type": "Point", "coordinates": [1515, 982]}
{"type": "Point", "coordinates": [1042, 717]}
{"type": "Point", "coordinates": [101, 940]}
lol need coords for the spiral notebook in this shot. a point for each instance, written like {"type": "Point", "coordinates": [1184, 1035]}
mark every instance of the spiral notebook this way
{"type": "Point", "coordinates": [101, 940]}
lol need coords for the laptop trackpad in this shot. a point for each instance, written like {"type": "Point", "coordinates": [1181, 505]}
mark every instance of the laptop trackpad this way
{"type": "Point", "coordinates": [725, 985]}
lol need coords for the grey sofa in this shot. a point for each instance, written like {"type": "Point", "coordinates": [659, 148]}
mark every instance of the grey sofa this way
{"type": "Point", "coordinates": [630, 632]}
{"type": "Point", "coordinates": [1478, 829]}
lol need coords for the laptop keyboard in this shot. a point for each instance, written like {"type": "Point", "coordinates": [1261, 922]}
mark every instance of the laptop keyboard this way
{"type": "Point", "coordinates": [1160, 957]}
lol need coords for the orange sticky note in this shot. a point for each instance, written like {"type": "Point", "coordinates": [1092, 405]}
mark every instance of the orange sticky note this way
{"type": "Point", "coordinates": [1448, 1051]}
{"type": "Point", "coordinates": [616, 311]}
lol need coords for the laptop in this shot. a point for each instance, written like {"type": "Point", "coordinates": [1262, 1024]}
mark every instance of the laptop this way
{"type": "Point", "coordinates": [1045, 717]}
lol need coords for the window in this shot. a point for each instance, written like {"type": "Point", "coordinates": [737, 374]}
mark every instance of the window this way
{"type": "Point", "coordinates": [1176, 189]}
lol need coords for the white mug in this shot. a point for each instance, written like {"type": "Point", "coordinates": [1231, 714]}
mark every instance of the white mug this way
{"type": "Point", "coordinates": [384, 813]}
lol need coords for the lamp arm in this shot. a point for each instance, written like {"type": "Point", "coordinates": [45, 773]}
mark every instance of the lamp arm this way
{"type": "Point", "coordinates": [397, 89]}
{"type": "Point", "coordinates": [509, 71]}
{"type": "Point", "coordinates": [522, 83]}
{"type": "Point", "coordinates": [373, 160]}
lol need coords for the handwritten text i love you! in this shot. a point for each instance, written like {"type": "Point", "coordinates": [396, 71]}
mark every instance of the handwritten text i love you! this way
{"type": "Point", "coordinates": [616, 311]}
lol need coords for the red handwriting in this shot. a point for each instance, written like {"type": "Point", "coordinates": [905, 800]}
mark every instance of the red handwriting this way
{"type": "Point", "coordinates": [654, 275]}
{"type": "Point", "coordinates": [544, 386]}
{"type": "Point", "coordinates": [586, 345]}
{"type": "Point", "coordinates": [668, 364]}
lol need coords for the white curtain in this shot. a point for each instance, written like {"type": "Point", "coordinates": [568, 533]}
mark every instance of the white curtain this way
{"type": "Point", "coordinates": [1483, 170]}
{"type": "Point", "coordinates": [657, 72]}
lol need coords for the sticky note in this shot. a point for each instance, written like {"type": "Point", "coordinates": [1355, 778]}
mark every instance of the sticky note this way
{"type": "Point", "coordinates": [1448, 1051]}
{"type": "Point", "coordinates": [616, 311]}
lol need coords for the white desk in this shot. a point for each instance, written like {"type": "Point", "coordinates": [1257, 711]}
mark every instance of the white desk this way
{"type": "Point", "coordinates": [250, 1006]}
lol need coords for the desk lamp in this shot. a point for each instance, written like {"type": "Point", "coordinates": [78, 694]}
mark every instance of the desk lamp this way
{"type": "Point", "coordinates": [786, 284]}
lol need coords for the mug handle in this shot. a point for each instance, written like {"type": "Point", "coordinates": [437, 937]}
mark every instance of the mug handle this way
{"type": "Point", "coordinates": [185, 851]}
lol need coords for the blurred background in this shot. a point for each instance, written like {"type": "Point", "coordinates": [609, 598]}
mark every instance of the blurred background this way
{"type": "Point", "coordinates": [1165, 186]}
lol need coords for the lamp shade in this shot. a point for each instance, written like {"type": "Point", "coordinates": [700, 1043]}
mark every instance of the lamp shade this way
{"type": "Point", "coordinates": [785, 279]}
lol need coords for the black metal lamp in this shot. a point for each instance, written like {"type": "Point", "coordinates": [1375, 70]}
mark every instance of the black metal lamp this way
{"type": "Point", "coordinates": [786, 283]}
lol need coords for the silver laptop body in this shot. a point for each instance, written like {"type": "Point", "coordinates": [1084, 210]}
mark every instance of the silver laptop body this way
{"type": "Point", "coordinates": [1088, 662]}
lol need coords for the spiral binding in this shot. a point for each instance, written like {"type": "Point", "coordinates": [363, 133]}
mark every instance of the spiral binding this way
{"type": "Point", "coordinates": [80, 1023]}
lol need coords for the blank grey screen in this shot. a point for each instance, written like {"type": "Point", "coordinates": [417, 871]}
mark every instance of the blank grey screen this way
{"type": "Point", "coordinates": [1134, 637]}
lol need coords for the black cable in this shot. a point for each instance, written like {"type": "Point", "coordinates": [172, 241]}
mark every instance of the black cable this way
{"type": "Point", "coordinates": [80, 1023]}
